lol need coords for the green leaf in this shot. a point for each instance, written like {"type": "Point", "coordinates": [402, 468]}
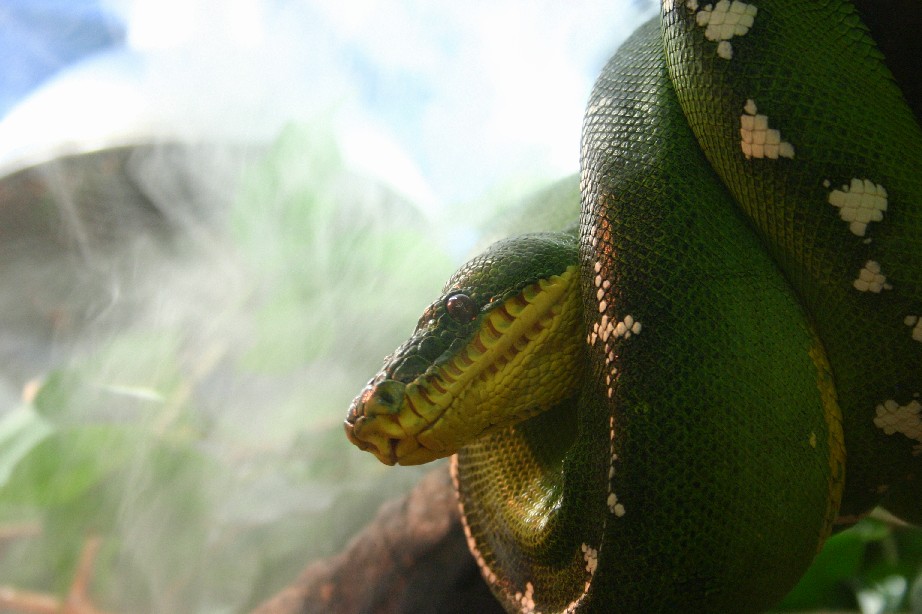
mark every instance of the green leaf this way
{"type": "Point", "coordinates": [826, 582]}
{"type": "Point", "coordinates": [136, 379]}
{"type": "Point", "coordinates": [65, 464]}
{"type": "Point", "coordinates": [21, 431]}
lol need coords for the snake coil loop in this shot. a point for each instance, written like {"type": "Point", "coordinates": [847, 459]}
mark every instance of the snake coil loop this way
{"type": "Point", "coordinates": [671, 408]}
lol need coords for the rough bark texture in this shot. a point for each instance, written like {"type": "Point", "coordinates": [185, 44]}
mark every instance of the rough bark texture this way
{"type": "Point", "coordinates": [411, 558]}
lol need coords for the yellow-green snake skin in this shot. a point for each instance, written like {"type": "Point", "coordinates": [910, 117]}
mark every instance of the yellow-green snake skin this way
{"type": "Point", "coordinates": [672, 407]}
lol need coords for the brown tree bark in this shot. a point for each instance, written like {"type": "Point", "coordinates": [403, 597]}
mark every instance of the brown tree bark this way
{"type": "Point", "coordinates": [411, 558]}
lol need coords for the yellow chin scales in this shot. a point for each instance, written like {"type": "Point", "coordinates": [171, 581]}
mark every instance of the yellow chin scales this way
{"type": "Point", "coordinates": [525, 357]}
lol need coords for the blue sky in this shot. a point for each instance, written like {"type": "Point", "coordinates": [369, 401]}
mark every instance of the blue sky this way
{"type": "Point", "coordinates": [443, 99]}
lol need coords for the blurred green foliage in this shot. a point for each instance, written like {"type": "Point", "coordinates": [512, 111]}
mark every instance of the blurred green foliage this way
{"type": "Point", "coordinates": [202, 438]}
{"type": "Point", "coordinates": [207, 452]}
{"type": "Point", "coordinates": [873, 567]}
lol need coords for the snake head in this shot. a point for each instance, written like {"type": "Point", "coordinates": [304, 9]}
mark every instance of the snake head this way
{"type": "Point", "coordinates": [501, 344]}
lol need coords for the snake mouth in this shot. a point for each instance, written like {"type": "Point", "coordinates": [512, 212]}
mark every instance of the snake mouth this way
{"type": "Point", "coordinates": [486, 384]}
{"type": "Point", "coordinates": [367, 425]}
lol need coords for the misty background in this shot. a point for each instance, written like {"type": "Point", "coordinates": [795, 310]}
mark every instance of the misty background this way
{"type": "Point", "coordinates": [216, 218]}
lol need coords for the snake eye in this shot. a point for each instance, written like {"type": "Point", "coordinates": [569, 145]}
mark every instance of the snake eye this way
{"type": "Point", "coordinates": [461, 308]}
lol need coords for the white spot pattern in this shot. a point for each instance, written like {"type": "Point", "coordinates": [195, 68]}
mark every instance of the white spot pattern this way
{"type": "Point", "coordinates": [870, 279]}
{"type": "Point", "coordinates": [614, 506]}
{"type": "Point", "coordinates": [607, 330]}
{"type": "Point", "coordinates": [591, 556]}
{"type": "Point", "coordinates": [757, 139]}
{"type": "Point", "coordinates": [860, 203]}
{"type": "Point", "coordinates": [895, 418]}
{"type": "Point", "coordinates": [724, 20]}
{"type": "Point", "coordinates": [527, 599]}
{"type": "Point", "coordinates": [916, 323]}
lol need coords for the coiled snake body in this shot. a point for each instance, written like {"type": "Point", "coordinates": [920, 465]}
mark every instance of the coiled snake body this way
{"type": "Point", "coordinates": [672, 408]}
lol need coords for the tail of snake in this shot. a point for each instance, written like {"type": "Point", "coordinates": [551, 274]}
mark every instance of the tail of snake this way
{"type": "Point", "coordinates": [672, 407]}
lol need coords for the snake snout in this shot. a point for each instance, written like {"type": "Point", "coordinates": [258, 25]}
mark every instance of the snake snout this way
{"type": "Point", "coordinates": [371, 422]}
{"type": "Point", "coordinates": [382, 398]}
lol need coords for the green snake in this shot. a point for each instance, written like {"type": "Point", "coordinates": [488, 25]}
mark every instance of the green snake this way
{"type": "Point", "coordinates": [671, 407]}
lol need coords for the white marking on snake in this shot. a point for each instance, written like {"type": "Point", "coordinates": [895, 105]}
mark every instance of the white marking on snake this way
{"type": "Point", "coordinates": [916, 323]}
{"type": "Point", "coordinates": [527, 600]}
{"type": "Point", "coordinates": [616, 508]}
{"type": "Point", "coordinates": [904, 419]}
{"type": "Point", "coordinates": [624, 329]}
{"type": "Point", "coordinates": [870, 279]}
{"type": "Point", "coordinates": [627, 327]}
{"type": "Point", "coordinates": [591, 555]}
{"type": "Point", "coordinates": [607, 330]}
{"type": "Point", "coordinates": [757, 140]}
{"type": "Point", "coordinates": [860, 203]}
{"type": "Point", "coordinates": [724, 20]}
